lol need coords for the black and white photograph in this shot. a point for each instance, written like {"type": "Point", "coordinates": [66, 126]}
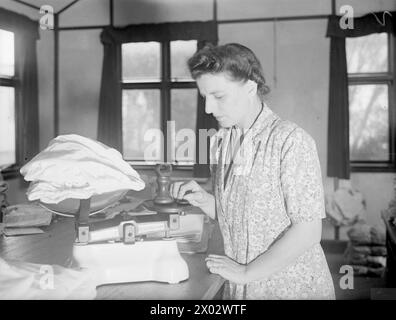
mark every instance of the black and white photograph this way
{"type": "Point", "coordinates": [195, 155]}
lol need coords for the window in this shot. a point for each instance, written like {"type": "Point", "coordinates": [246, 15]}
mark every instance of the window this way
{"type": "Point", "coordinates": [371, 75]}
{"type": "Point", "coordinates": [158, 94]}
{"type": "Point", "coordinates": [7, 99]}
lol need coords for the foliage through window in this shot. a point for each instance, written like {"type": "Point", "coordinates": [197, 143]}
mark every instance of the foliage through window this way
{"type": "Point", "coordinates": [371, 77]}
{"type": "Point", "coordinates": [7, 99]}
{"type": "Point", "coordinates": [158, 93]}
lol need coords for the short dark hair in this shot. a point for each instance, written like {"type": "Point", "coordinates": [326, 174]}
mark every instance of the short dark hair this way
{"type": "Point", "coordinates": [234, 59]}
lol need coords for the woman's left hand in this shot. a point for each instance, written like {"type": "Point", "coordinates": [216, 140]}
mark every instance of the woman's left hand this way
{"type": "Point", "coordinates": [227, 268]}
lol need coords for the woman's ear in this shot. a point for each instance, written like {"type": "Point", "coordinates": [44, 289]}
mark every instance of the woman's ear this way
{"type": "Point", "coordinates": [251, 88]}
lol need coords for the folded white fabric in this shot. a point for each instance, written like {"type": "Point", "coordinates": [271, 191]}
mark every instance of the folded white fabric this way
{"type": "Point", "coordinates": [23, 280]}
{"type": "Point", "coordinates": [77, 167]}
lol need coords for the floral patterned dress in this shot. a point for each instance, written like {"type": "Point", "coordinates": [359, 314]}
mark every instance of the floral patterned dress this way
{"type": "Point", "coordinates": [275, 182]}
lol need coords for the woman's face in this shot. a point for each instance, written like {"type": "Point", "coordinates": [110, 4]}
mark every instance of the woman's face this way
{"type": "Point", "coordinates": [225, 98]}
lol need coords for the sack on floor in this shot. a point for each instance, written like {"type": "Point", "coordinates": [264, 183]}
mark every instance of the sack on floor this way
{"type": "Point", "coordinates": [368, 261]}
{"type": "Point", "coordinates": [363, 234]}
{"type": "Point", "coordinates": [368, 271]}
{"type": "Point", "coordinates": [369, 250]}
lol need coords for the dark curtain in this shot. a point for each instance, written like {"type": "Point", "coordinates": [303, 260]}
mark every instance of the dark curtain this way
{"type": "Point", "coordinates": [110, 116]}
{"type": "Point", "coordinates": [204, 121]}
{"type": "Point", "coordinates": [338, 163]}
{"type": "Point", "coordinates": [338, 128]}
{"type": "Point", "coordinates": [110, 113]}
{"type": "Point", "coordinates": [26, 94]}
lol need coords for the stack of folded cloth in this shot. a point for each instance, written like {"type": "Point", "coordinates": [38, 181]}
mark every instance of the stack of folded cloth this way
{"type": "Point", "coordinates": [24, 219]}
{"type": "Point", "coordinates": [366, 251]}
{"type": "Point", "coordinates": [75, 167]}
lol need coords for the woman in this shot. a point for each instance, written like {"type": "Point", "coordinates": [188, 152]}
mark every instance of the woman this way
{"type": "Point", "coordinates": [268, 193]}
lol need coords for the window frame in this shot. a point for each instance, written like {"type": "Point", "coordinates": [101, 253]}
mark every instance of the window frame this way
{"type": "Point", "coordinates": [11, 171]}
{"type": "Point", "coordinates": [388, 78]}
{"type": "Point", "coordinates": [165, 85]}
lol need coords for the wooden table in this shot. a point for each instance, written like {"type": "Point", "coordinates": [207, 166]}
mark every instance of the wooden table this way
{"type": "Point", "coordinates": [56, 244]}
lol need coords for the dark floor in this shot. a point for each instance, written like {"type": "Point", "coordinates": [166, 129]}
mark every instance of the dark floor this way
{"type": "Point", "coordinates": [363, 287]}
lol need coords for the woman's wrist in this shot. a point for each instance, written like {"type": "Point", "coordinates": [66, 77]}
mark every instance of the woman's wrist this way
{"type": "Point", "coordinates": [209, 208]}
{"type": "Point", "coordinates": [247, 274]}
{"type": "Point", "coordinates": [250, 273]}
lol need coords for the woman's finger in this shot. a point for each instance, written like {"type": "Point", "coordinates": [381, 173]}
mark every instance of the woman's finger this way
{"type": "Point", "coordinates": [214, 263]}
{"type": "Point", "coordinates": [217, 257]}
{"type": "Point", "coordinates": [174, 188]}
{"type": "Point", "coordinates": [189, 186]}
{"type": "Point", "coordinates": [214, 270]}
{"type": "Point", "coordinates": [217, 267]}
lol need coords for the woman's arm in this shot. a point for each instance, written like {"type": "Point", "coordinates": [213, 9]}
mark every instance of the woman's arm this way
{"type": "Point", "coordinates": [299, 238]}
{"type": "Point", "coordinates": [296, 240]}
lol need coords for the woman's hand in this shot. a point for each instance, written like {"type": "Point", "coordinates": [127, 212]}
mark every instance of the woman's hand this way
{"type": "Point", "coordinates": [227, 268]}
{"type": "Point", "coordinates": [195, 195]}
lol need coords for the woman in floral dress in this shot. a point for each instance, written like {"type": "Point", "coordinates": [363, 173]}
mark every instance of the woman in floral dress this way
{"type": "Point", "coordinates": [268, 193]}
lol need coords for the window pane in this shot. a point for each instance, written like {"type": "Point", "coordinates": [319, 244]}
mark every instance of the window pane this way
{"type": "Point", "coordinates": [7, 126]}
{"type": "Point", "coordinates": [140, 113]}
{"type": "Point", "coordinates": [6, 53]}
{"type": "Point", "coordinates": [367, 54]}
{"type": "Point", "coordinates": [184, 113]}
{"type": "Point", "coordinates": [141, 62]}
{"type": "Point", "coordinates": [181, 51]}
{"type": "Point", "coordinates": [369, 123]}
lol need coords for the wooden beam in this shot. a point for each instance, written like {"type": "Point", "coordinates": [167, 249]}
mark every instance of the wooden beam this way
{"type": "Point", "coordinates": [215, 10]}
{"type": "Point", "coordinates": [68, 6]}
{"type": "Point", "coordinates": [111, 12]}
{"type": "Point", "coordinates": [56, 75]}
{"type": "Point", "coordinates": [27, 4]}
{"type": "Point", "coordinates": [82, 28]}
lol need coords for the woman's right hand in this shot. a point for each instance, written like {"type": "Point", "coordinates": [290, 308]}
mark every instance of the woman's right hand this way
{"type": "Point", "coordinates": [195, 195]}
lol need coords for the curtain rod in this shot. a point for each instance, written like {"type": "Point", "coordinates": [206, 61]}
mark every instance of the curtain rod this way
{"type": "Point", "coordinates": [219, 22]}
{"type": "Point", "coordinates": [67, 7]}
{"type": "Point", "coordinates": [290, 18]}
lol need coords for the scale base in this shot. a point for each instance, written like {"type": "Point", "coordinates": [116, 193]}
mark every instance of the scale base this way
{"type": "Point", "coordinates": [143, 261]}
{"type": "Point", "coordinates": [172, 207]}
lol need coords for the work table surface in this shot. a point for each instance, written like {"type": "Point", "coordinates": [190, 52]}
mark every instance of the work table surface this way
{"type": "Point", "coordinates": [56, 244]}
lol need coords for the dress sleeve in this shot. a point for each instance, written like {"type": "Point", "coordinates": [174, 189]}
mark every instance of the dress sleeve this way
{"type": "Point", "coordinates": [301, 178]}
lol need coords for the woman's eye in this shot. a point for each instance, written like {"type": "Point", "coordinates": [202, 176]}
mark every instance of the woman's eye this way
{"type": "Point", "coordinates": [219, 97]}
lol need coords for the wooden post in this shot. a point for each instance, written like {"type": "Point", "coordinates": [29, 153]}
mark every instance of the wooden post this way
{"type": "Point", "coordinates": [336, 227]}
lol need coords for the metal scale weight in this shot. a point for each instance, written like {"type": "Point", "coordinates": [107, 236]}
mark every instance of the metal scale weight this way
{"type": "Point", "coordinates": [136, 248]}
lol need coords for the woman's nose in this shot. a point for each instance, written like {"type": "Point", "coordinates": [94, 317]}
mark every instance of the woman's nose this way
{"type": "Point", "coordinates": [209, 106]}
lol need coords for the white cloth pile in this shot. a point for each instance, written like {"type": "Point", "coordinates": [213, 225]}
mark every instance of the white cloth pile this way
{"type": "Point", "coordinates": [76, 167]}
{"type": "Point", "coordinates": [366, 251]}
